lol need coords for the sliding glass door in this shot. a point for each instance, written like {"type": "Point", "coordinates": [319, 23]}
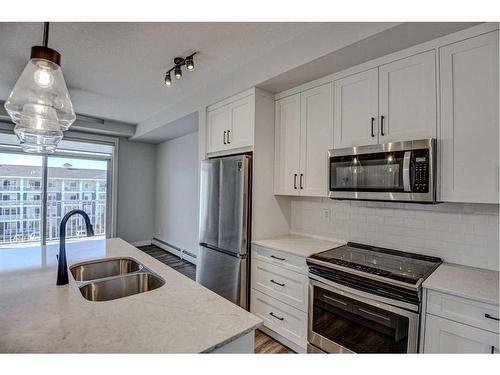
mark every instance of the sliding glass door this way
{"type": "Point", "coordinates": [20, 198]}
{"type": "Point", "coordinates": [76, 183]}
{"type": "Point", "coordinates": [36, 191]}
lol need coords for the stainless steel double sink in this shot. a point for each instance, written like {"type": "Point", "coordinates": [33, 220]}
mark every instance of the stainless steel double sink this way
{"type": "Point", "coordinates": [113, 278]}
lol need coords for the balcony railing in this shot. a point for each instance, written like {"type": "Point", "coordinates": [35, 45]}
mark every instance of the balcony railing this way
{"type": "Point", "coordinates": [25, 226]}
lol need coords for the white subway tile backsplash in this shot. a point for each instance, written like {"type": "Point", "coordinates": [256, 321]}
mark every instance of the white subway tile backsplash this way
{"type": "Point", "coordinates": [459, 233]}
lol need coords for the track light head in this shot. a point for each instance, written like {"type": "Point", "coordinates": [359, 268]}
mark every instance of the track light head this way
{"type": "Point", "coordinates": [189, 63]}
{"type": "Point", "coordinates": [178, 72]}
{"type": "Point", "coordinates": [168, 79]}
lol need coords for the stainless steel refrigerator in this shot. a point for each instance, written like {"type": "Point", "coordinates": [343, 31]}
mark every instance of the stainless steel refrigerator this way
{"type": "Point", "coordinates": [225, 217]}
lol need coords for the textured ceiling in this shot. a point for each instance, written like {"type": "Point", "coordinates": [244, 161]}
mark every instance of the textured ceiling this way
{"type": "Point", "coordinates": [115, 70]}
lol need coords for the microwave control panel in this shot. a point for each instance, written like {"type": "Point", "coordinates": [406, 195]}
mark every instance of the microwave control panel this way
{"type": "Point", "coordinates": [420, 171]}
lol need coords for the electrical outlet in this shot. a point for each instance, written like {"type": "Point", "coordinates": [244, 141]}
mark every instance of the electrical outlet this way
{"type": "Point", "coordinates": [325, 214]}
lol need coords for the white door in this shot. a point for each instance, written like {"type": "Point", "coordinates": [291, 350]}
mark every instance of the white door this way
{"type": "Point", "coordinates": [469, 120]}
{"type": "Point", "coordinates": [356, 110]}
{"type": "Point", "coordinates": [446, 336]}
{"type": "Point", "coordinates": [316, 138]}
{"type": "Point", "coordinates": [287, 145]}
{"type": "Point", "coordinates": [407, 98]}
{"type": "Point", "coordinates": [240, 134]}
{"type": "Point", "coordinates": [218, 122]}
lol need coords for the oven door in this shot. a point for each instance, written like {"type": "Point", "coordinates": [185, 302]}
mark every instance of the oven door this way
{"type": "Point", "coordinates": [343, 322]}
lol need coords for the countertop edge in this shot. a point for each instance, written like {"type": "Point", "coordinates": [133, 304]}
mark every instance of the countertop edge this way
{"type": "Point", "coordinates": [462, 295]}
{"type": "Point", "coordinates": [441, 283]}
{"type": "Point", "coordinates": [233, 338]}
{"type": "Point", "coordinates": [263, 243]}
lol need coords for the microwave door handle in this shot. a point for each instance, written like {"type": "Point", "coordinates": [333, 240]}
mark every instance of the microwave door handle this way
{"type": "Point", "coordinates": [406, 171]}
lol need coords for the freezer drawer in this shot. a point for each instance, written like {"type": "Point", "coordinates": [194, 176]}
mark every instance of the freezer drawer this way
{"type": "Point", "coordinates": [224, 274]}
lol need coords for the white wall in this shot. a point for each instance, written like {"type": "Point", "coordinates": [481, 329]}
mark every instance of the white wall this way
{"type": "Point", "coordinates": [458, 233]}
{"type": "Point", "coordinates": [177, 192]}
{"type": "Point", "coordinates": [136, 190]}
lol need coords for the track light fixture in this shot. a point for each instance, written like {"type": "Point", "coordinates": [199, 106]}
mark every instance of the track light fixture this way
{"type": "Point", "coordinates": [179, 62]}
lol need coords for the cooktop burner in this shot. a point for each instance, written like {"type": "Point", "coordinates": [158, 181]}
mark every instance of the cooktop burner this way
{"type": "Point", "coordinates": [405, 267]}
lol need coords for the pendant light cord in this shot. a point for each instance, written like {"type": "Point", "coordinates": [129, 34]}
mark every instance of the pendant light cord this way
{"type": "Point", "coordinates": [45, 34]}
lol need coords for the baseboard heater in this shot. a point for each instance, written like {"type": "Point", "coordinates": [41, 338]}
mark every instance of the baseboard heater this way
{"type": "Point", "coordinates": [180, 252]}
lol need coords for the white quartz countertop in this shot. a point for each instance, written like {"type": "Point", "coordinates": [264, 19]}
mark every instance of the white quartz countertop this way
{"type": "Point", "coordinates": [300, 245]}
{"type": "Point", "coordinates": [38, 316]}
{"type": "Point", "coordinates": [468, 282]}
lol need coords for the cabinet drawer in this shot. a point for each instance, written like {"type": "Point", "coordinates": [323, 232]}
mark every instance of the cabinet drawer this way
{"type": "Point", "coordinates": [280, 258]}
{"type": "Point", "coordinates": [446, 336]}
{"type": "Point", "coordinates": [463, 310]}
{"type": "Point", "coordinates": [281, 318]}
{"type": "Point", "coordinates": [285, 285]}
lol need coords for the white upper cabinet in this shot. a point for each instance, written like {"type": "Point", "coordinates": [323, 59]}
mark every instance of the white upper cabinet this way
{"type": "Point", "coordinates": [316, 138]}
{"type": "Point", "coordinates": [218, 122]}
{"type": "Point", "coordinates": [303, 135]}
{"type": "Point", "coordinates": [242, 122]}
{"type": "Point", "coordinates": [391, 103]}
{"type": "Point", "coordinates": [407, 98]}
{"type": "Point", "coordinates": [287, 145]}
{"type": "Point", "coordinates": [356, 109]}
{"type": "Point", "coordinates": [469, 120]}
{"type": "Point", "coordinates": [231, 126]}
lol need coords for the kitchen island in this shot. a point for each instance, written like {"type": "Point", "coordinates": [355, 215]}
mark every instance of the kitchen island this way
{"type": "Point", "coordinates": [36, 316]}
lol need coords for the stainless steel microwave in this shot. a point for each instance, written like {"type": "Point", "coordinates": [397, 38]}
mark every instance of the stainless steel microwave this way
{"type": "Point", "coordinates": [397, 171]}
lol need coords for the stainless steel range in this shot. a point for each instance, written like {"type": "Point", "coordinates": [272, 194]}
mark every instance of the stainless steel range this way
{"type": "Point", "coordinates": [366, 299]}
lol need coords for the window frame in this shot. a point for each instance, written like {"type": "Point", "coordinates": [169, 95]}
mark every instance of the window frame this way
{"type": "Point", "coordinates": [112, 174]}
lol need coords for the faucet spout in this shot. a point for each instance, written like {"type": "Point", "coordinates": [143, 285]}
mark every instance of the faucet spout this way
{"type": "Point", "coordinates": [62, 267]}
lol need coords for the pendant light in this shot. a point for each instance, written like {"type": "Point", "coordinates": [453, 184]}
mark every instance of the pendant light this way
{"type": "Point", "coordinates": [39, 103]}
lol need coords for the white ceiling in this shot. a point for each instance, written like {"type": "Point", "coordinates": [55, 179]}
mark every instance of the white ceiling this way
{"type": "Point", "coordinates": [115, 70]}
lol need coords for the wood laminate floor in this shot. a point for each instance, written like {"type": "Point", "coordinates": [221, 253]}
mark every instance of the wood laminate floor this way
{"type": "Point", "coordinates": [178, 264]}
{"type": "Point", "coordinates": [267, 345]}
{"type": "Point", "coordinates": [263, 343]}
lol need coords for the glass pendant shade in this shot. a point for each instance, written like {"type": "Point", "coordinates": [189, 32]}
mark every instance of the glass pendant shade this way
{"type": "Point", "coordinates": [40, 106]}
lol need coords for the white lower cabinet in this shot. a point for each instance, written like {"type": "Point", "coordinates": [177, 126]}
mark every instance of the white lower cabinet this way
{"type": "Point", "coordinates": [287, 286]}
{"type": "Point", "coordinates": [460, 325]}
{"type": "Point", "coordinates": [446, 336]}
{"type": "Point", "coordinates": [279, 295]}
{"type": "Point", "coordinates": [280, 317]}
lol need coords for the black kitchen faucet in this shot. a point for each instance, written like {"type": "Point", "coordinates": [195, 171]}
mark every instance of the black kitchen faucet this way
{"type": "Point", "coordinates": [62, 267]}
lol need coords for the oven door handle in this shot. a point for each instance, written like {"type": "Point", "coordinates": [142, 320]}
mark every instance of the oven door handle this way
{"type": "Point", "coordinates": [406, 171]}
{"type": "Point", "coordinates": [374, 314]}
{"type": "Point", "coordinates": [334, 300]}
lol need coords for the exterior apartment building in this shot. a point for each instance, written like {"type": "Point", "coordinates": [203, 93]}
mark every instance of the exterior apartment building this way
{"type": "Point", "coordinates": [68, 188]}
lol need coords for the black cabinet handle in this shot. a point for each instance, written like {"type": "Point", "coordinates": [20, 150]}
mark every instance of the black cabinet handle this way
{"type": "Point", "coordinates": [491, 317]}
{"type": "Point", "coordinates": [492, 349]}
{"type": "Point", "coordinates": [382, 126]}
{"type": "Point", "coordinates": [373, 129]}
{"type": "Point", "coordinates": [277, 283]}
{"type": "Point", "coordinates": [301, 178]}
{"type": "Point", "coordinates": [295, 181]}
{"type": "Point", "coordinates": [224, 137]}
{"type": "Point", "coordinates": [275, 316]}
{"type": "Point", "coordinates": [228, 141]}
{"type": "Point", "coordinates": [275, 257]}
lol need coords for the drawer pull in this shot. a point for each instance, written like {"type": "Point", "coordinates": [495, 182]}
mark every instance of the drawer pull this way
{"type": "Point", "coordinates": [276, 316]}
{"type": "Point", "coordinates": [334, 300]}
{"type": "Point", "coordinates": [277, 283]}
{"type": "Point", "coordinates": [275, 257]}
{"type": "Point", "coordinates": [492, 349]}
{"type": "Point", "coordinates": [491, 317]}
{"type": "Point", "coordinates": [375, 315]}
